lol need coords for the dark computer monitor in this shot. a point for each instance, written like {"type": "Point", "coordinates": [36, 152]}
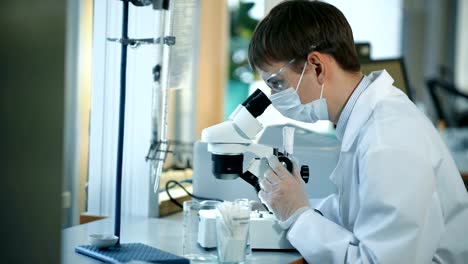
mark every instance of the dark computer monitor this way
{"type": "Point", "coordinates": [363, 50]}
{"type": "Point", "coordinates": [395, 67]}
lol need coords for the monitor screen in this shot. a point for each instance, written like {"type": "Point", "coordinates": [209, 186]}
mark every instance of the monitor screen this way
{"type": "Point", "coordinates": [396, 69]}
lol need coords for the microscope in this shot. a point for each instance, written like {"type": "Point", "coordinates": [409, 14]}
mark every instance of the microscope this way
{"type": "Point", "coordinates": [228, 142]}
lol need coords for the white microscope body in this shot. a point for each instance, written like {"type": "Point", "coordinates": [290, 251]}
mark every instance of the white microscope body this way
{"type": "Point", "coordinates": [227, 142]}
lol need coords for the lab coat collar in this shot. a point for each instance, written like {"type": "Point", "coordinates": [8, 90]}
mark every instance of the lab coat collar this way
{"type": "Point", "coordinates": [381, 82]}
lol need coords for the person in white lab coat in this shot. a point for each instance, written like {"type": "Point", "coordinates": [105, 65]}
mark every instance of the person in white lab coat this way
{"type": "Point", "coordinates": [400, 196]}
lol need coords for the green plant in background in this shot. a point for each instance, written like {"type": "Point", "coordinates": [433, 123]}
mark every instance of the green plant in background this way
{"type": "Point", "coordinates": [241, 30]}
{"type": "Point", "coordinates": [241, 75]}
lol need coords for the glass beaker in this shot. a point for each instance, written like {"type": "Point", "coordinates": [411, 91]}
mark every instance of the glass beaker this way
{"type": "Point", "coordinates": [191, 249]}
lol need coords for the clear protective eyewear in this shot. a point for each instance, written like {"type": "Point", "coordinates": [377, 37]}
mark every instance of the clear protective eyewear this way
{"type": "Point", "coordinates": [277, 81]}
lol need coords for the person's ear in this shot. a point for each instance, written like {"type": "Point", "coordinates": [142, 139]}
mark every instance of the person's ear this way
{"type": "Point", "coordinates": [317, 62]}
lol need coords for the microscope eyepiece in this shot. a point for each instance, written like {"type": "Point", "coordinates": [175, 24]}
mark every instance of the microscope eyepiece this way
{"type": "Point", "coordinates": [256, 103]}
{"type": "Point", "coordinates": [227, 167]}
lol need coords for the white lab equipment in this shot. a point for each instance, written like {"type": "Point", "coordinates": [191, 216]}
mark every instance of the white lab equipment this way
{"type": "Point", "coordinates": [288, 139]}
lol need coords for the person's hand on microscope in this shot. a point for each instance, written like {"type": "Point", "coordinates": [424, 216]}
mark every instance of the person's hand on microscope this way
{"type": "Point", "coordinates": [283, 193]}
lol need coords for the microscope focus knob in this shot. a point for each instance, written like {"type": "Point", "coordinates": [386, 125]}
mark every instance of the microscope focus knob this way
{"type": "Point", "coordinates": [305, 173]}
{"type": "Point", "coordinates": [286, 162]}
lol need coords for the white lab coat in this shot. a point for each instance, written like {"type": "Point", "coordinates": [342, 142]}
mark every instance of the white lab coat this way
{"type": "Point", "coordinates": [400, 196]}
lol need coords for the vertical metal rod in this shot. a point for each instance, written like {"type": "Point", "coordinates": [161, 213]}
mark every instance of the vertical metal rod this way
{"type": "Point", "coordinates": [120, 136]}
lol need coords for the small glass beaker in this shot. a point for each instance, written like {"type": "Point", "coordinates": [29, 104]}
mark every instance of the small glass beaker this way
{"type": "Point", "coordinates": [191, 249]}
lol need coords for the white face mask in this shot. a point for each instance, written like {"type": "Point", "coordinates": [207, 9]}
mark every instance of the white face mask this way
{"type": "Point", "coordinates": [287, 102]}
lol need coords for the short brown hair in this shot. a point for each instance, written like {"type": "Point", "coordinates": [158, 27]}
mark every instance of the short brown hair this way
{"type": "Point", "coordinates": [293, 29]}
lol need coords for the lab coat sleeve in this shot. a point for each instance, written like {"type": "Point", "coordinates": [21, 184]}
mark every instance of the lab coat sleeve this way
{"type": "Point", "coordinates": [318, 239]}
{"type": "Point", "coordinates": [399, 219]}
{"type": "Point", "coordinates": [328, 206]}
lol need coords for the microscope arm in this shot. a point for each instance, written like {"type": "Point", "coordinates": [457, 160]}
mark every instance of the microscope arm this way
{"type": "Point", "coordinates": [259, 165]}
{"type": "Point", "coordinates": [251, 179]}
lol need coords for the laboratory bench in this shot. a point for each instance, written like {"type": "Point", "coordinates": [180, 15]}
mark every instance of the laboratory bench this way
{"type": "Point", "coordinates": [162, 233]}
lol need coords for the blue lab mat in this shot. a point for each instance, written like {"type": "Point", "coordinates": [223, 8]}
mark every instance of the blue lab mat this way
{"type": "Point", "coordinates": [131, 251]}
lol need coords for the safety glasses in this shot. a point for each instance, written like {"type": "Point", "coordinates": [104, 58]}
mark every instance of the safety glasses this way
{"type": "Point", "coordinates": [278, 80]}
